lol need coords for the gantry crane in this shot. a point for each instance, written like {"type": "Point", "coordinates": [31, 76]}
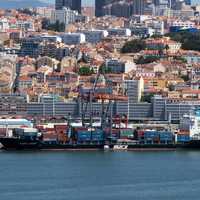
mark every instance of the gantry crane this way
{"type": "Point", "coordinates": [106, 99]}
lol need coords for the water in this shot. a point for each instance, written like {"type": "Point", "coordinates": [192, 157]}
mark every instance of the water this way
{"type": "Point", "coordinates": [100, 175]}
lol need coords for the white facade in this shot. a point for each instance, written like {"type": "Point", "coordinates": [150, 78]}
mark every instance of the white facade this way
{"type": "Point", "coordinates": [191, 124]}
{"type": "Point", "coordinates": [95, 36]}
{"type": "Point", "coordinates": [73, 38]}
{"type": "Point", "coordinates": [117, 66]}
{"type": "Point", "coordinates": [15, 123]}
{"type": "Point", "coordinates": [119, 32]}
{"type": "Point", "coordinates": [51, 38]}
{"type": "Point", "coordinates": [65, 16]}
{"type": "Point", "coordinates": [26, 25]}
{"type": "Point", "coordinates": [157, 26]}
{"type": "Point", "coordinates": [45, 12]}
{"type": "Point", "coordinates": [4, 25]}
{"type": "Point", "coordinates": [183, 24]}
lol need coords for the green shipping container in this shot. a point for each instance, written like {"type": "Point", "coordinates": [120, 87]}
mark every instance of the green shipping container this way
{"type": "Point", "coordinates": [126, 132]}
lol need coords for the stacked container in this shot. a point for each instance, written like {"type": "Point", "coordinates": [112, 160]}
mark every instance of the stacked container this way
{"type": "Point", "coordinates": [182, 138]}
{"type": "Point", "coordinates": [115, 133]}
{"type": "Point", "coordinates": [126, 133]}
{"type": "Point", "coordinates": [151, 137]}
{"type": "Point", "coordinates": [83, 136]}
{"type": "Point", "coordinates": [155, 137]}
{"type": "Point", "coordinates": [98, 135]}
{"type": "Point", "coordinates": [166, 137]}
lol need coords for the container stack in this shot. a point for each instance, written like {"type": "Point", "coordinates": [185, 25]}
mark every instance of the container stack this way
{"type": "Point", "coordinates": [166, 137]}
{"type": "Point", "coordinates": [115, 134]}
{"type": "Point", "coordinates": [151, 137]}
{"type": "Point", "coordinates": [90, 136]}
{"type": "Point", "coordinates": [155, 137]}
{"type": "Point", "coordinates": [126, 133]}
{"type": "Point", "coordinates": [182, 138]}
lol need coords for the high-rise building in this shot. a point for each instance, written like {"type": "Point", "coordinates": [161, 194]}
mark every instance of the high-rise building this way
{"type": "Point", "coordinates": [138, 7]}
{"type": "Point", "coordinates": [188, 2]}
{"type": "Point", "coordinates": [99, 4]}
{"type": "Point", "coordinates": [119, 9]}
{"type": "Point", "coordinates": [72, 4]}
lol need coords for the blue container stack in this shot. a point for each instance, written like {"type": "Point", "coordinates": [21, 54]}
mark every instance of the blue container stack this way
{"type": "Point", "coordinates": [166, 137]}
{"type": "Point", "coordinates": [88, 136]}
{"type": "Point", "coordinates": [181, 138]}
{"type": "Point", "coordinates": [83, 136]}
{"type": "Point", "coordinates": [151, 135]}
{"type": "Point", "coordinates": [98, 135]}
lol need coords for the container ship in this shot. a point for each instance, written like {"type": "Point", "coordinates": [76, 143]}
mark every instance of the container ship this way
{"type": "Point", "coordinates": [61, 136]}
{"type": "Point", "coordinates": [111, 133]}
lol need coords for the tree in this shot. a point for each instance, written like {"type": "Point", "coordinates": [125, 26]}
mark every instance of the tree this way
{"type": "Point", "coordinates": [147, 97]}
{"type": "Point", "coordinates": [85, 71]}
{"type": "Point", "coordinates": [133, 46]}
{"type": "Point", "coordinates": [58, 27]}
{"type": "Point", "coordinates": [189, 40]}
{"type": "Point", "coordinates": [145, 60]}
{"type": "Point", "coordinates": [103, 69]}
{"type": "Point", "coordinates": [185, 77]}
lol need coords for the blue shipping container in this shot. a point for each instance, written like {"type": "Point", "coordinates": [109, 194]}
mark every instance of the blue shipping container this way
{"type": "Point", "coordinates": [83, 135]}
{"type": "Point", "coordinates": [164, 135]}
{"type": "Point", "coordinates": [183, 138]}
{"type": "Point", "coordinates": [98, 135]}
{"type": "Point", "coordinates": [151, 134]}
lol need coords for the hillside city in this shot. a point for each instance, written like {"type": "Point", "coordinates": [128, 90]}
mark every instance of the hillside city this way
{"type": "Point", "coordinates": [149, 50]}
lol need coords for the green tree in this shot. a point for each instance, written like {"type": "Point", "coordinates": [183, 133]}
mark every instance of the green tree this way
{"type": "Point", "coordinates": [104, 70]}
{"type": "Point", "coordinates": [133, 46]}
{"type": "Point", "coordinates": [85, 71]}
{"type": "Point", "coordinates": [189, 40]}
{"type": "Point", "coordinates": [58, 27]}
{"type": "Point", "coordinates": [185, 77]}
{"type": "Point", "coordinates": [145, 60]}
{"type": "Point", "coordinates": [147, 97]}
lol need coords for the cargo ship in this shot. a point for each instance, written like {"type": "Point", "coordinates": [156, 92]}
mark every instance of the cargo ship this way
{"type": "Point", "coordinates": [59, 137]}
{"type": "Point", "coordinates": [21, 134]}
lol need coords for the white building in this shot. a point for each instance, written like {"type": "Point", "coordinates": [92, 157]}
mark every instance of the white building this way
{"type": "Point", "coordinates": [157, 26]}
{"type": "Point", "coordinates": [94, 36]}
{"type": "Point", "coordinates": [65, 16]}
{"type": "Point", "coordinates": [183, 24]}
{"type": "Point", "coordinates": [15, 123]}
{"type": "Point", "coordinates": [117, 66]}
{"type": "Point", "coordinates": [191, 124]}
{"type": "Point", "coordinates": [51, 38]}
{"type": "Point", "coordinates": [25, 25]}
{"type": "Point", "coordinates": [4, 25]}
{"type": "Point", "coordinates": [119, 32]}
{"type": "Point", "coordinates": [73, 38]}
{"type": "Point", "coordinates": [45, 12]}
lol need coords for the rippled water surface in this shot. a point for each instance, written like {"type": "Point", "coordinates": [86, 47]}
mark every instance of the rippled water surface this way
{"type": "Point", "coordinates": [100, 175]}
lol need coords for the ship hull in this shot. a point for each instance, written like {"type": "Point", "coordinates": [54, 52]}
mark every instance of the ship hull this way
{"type": "Point", "coordinates": [20, 144]}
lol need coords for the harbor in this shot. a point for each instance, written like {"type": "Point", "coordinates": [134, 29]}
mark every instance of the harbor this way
{"type": "Point", "coordinates": [22, 134]}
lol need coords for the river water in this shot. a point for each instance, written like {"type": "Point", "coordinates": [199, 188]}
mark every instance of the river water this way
{"type": "Point", "coordinates": [100, 175]}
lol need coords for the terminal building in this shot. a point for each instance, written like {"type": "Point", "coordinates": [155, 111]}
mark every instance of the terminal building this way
{"type": "Point", "coordinates": [159, 109]}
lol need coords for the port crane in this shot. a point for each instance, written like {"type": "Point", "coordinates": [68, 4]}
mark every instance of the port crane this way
{"type": "Point", "coordinates": [106, 97]}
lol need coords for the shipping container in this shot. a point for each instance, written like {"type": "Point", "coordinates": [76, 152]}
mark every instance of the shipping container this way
{"type": "Point", "coordinates": [83, 135]}
{"type": "Point", "coordinates": [182, 138]}
{"type": "Point", "coordinates": [98, 135]}
{"type": "Point", "coordinates": [151, 135]}
{"type": "Point", "coordinates": [126, 133]}
{"type": "Point", "coordinates": [115, 133]}
{"type": "Point", "coordinates": [166, 136]}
